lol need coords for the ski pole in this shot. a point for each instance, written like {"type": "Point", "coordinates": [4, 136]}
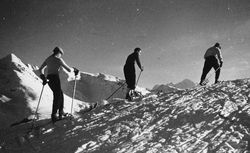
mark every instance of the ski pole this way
{"type": "Point", "coordinates": [38, 103]}
{"type": "Point", "coordinates": [138, 78]}
{"type": "Point", "coordinates": [33, 121]}
{"type": "Point", "coordinates": [74, 90]}
{"type": "Point", "coordinates": [116, 90]}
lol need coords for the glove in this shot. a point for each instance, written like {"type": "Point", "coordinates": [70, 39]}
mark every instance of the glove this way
{"type": "Point", "coordinates": [42, 76]}
{"type": "Point", "coordinates": [76, 71]}
{"type": "Point", "coordinates": [221, 63]}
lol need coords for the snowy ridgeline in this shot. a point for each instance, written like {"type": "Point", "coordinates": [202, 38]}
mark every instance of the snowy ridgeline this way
{"type": "Point", "coordinates": [20, 88]}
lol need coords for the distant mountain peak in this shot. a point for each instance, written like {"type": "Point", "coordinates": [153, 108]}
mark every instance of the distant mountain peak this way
{"type": "Point", "coordinates": [186, 80]}
{"type": "Point", "coordinates": [184, 84]}
{"type": "Point", "coordinates": [11, 61]}
{"type": "Point", "coordinates": [11, 58]}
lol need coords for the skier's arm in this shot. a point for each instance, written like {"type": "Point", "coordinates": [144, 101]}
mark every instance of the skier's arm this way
{"type": "Point", "coordinates": [41, 69]}
{"type": "Point", "coordinates": [138, 62]}
{"type": "Point", "coordinates": [65, 66]}
{"type": "Point", "coordinates": [69, 69]}
{"type": "Point", "coordinates": [220, 56]}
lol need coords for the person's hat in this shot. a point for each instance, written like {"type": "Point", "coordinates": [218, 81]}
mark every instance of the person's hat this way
{"type": "Point", "coordinates": [58, 50]}
{"type": "Point", "coordinates": [217, 45]}
{"type": "Point", "coordinates": [137, 49]}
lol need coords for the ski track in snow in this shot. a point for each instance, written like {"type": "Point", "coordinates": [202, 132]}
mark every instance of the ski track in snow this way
{"type": "Point", "coordinates": [185, 121]}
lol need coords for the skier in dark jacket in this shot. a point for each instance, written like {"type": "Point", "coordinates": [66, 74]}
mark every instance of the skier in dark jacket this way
{"type": "Point", "coordinates": [129, 71]}
{"type": "Point", "coordinates": [213, 59]}
{"type": "Point", "coordinates": [53, 64]}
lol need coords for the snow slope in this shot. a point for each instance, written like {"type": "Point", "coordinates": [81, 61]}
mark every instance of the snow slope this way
{"type": "Point", "coordinates": [20, 88]}
{"type": "Point", "coordinates": [195, 120]}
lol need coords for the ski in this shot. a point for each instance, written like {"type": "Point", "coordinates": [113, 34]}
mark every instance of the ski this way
{"type": "Point", "coordinates": [24, 121]}
{"type": "Point", "coordinates": [133, 100]}
{"type": "Point", "coordinates": [91, 107]}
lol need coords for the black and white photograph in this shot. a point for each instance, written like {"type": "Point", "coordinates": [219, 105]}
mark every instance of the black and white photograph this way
{"type": "Point", "coordinates": [124, 76]}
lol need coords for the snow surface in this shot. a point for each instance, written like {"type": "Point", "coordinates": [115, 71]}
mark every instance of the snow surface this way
{"type": "Point", "coordinates": [185, 121]}
{"type": "Point", "coordinates": [208, 119]}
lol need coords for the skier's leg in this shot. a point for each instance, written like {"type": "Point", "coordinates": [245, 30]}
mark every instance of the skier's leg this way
{"type": "Point", "coordinates": [54, 106]}
{"type": "Point", "coordinates": [132, 84]}
{"type": "Point", "coordinates": [126, 75]}
{"type": "Point", "coordinates": [127, 93]}
{"type": "Point", "coordinates": [54, 85]}
{"type": "Point", "coordinates": [129, 88]}
{"type": "Point", "coordinates": [217, 73]}
{"type": "Point", "coordinates": [207, 67]}
{"type": "Point", "coordinates": [130, 80]}
{"type": "Point", "coordinates": [61, 105]}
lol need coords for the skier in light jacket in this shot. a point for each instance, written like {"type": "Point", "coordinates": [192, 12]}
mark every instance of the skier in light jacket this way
{"type": "Point", "coordinates": [53, 64]}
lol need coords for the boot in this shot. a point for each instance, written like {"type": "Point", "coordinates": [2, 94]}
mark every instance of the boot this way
{"type": "Point", "coordinates": [54, 118]}
{"type": "Point", "coordinates": [131, 95]}
{"type": "Point", "coordinates": [127, 95]}
{"type": "Point", "coordinates": [62, 114]}
{"type": "Point", "coordinates": [216, 81]}
{"type": "Point", "coordinates": [130, 98]}
{"type": "Point", "coordinates": [203, 82]}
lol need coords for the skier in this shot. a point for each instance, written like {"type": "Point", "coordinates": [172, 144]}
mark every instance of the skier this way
{"type": "Point", "coordinates": [213, 58]}
{"type": "Point", "coordinates": [54, 63]}
{"type": "Point", "coordinates": [129, 71]}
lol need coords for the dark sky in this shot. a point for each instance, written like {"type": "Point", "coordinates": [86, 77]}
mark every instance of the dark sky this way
{"type": "Point", "coordinates": [97, 35]}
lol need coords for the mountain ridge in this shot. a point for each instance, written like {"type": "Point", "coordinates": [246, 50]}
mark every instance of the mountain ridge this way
{"type": "Point", "coordinates": [170, 87]}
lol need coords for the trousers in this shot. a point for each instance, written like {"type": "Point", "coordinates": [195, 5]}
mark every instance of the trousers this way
{"type": "Point", "coordinates": [58, 99]}
{"type": "Point", "coordinates": [130, 76]}
{"type": "Point", "coordinates": [211, 62]}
